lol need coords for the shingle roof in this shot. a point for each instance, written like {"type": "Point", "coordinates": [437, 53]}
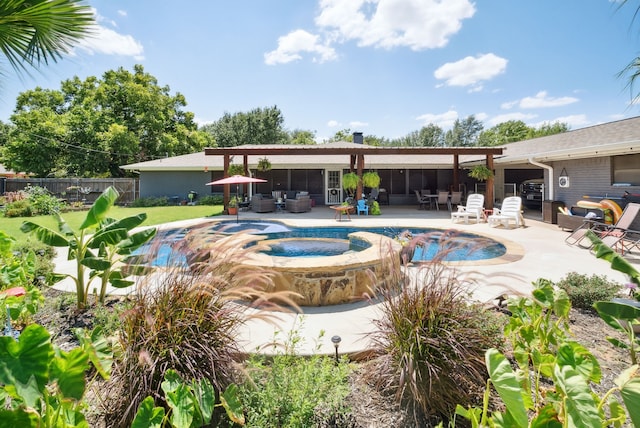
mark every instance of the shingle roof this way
{"type": "Point", "coordinates": [619, 137]}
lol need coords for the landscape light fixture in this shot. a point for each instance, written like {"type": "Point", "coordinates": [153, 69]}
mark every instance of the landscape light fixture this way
{"type": "Point", "coordinates": [336, 343]}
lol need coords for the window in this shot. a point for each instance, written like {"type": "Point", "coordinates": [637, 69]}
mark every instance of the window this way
{"type": "Point", "coordinates": [626, 170]}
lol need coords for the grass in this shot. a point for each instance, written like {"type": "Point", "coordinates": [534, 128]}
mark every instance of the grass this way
{"type": "Point", "coordinates": [155, 215]}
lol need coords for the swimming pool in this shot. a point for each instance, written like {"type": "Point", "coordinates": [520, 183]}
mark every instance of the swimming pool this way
{"type": "Point", "coordinates": [449, 246]}
{"type": "Point", "coordinates": [324, 265]}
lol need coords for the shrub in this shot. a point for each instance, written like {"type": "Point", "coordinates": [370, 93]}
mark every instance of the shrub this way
{"type": "Point", "coordinates": [210, 200]}
{"type": "Point", "coordinates": [292, 391]}
{"type": "Point", "coordinates": [19, 208]}
{"type": "Point", "coordinates": [150, 201]}
{"type": "Point", "coordinates": [186, 320]}
{"type": "Point", "coordinates": [42, 201]}
{"type": "Point", "coordinates": [43, 269]}
{"type": "Point", "coordinates": [584, 291]}
{"type": "Point", "coordinates": [430, 342]}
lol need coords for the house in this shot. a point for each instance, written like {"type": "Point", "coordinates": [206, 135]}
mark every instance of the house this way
{"type": "Point", "coordinates": [599, 161]}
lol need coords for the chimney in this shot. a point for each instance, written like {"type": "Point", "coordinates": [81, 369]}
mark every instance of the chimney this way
{"type": "Point", "coordinates": [357, 138]}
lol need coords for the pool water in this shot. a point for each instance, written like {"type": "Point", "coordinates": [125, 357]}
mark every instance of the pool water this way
{"type": "Point", "coordinates": [329, 241]}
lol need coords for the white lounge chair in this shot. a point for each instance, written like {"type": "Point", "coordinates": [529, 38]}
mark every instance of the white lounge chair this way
{"type": "Point", "coordinates": [511, 211]}
{"type": "Point", "coordinates": [473, 209]}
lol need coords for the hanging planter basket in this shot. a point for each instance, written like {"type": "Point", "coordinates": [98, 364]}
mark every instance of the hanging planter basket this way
{"type": "Point", "coordinates": [350, 181]}
{"type": "Point", "coordinates": [236, 169]}
{"type": "Point", "coordinates": [264, 165]}
{"type": "Point", "coordinates": [480, 173]}
{"type": "Point", "coordinates": [371, 179]}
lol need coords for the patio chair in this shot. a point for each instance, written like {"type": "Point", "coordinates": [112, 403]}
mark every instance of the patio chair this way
{"type": "Point", "coordinates": [262, 204]}
{"type": "Point", "coordinates": [511, 210]}
{"type": "Point", "coordinates": [300, 204]}
{"type": "Point", "coordinates": [456, 199]}
{"type": "Point", "coordinates": [473, 209]}
{"type": "Point", "coordinates": [611, 234]}
{"type": "Point", "coordinates": [443, 199]}
{"type": "Point", "coordinates": [422, 200]}
{"type": "Point", "coordinates": [362, 207]}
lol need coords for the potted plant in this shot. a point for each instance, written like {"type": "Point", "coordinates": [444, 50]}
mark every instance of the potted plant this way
{"type": "Point", "coordinates": [480, 173]}
{"type": "Point", "coordinates": [264, 165]}
{"type": "Point", "coordinates": [233, 206]}
{"type": "Point", "coordinates": [371, 179]}
{"type": "Point", "coordinates": [350, 182]}
{"type": "Point", "coordinates": [236, 169]}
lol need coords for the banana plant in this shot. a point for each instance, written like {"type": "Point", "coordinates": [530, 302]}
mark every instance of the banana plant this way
{"type": "Point", "coordinates": [97, 247]}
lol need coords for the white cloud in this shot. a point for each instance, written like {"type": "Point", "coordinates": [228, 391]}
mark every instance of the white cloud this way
{"type": "Point", "coordinates": [122, 12]}
{"type": "Point", "coordinates": [574, 120]}
{"type": "Point", "coordinates": [356, 124]}
{"type": "Point", "coordinates": [296, 42]}
{"type": "Point", "coordinates": [333, 124]}
{"type": "Point", "coordinates": [471, 71]}
{"type": "Point", "coordinates": [542, 100]}
{"type": "Point", "coordinates": [109, 42]}
{"type": "Point", "coordinates": [443, 120]}
{"type": "Point", "coordinates": [511, 116]}
{"type": "Point", "coordinates": [416, 24]}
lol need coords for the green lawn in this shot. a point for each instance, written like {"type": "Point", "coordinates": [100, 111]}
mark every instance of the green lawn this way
{"type": "Point", "coordinates": [155, 215]}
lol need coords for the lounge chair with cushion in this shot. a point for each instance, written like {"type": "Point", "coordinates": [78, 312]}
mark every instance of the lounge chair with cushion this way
{"type": "Point", "coordinates": [511, 211]}
{"type": "Point", "coordinates": [473, 209]}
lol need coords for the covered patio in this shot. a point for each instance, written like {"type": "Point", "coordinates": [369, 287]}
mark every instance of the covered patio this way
{"type": "Point", "coordinates": [406, 165]}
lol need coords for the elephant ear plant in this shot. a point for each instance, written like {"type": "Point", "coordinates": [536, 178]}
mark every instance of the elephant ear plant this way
{"type": "Point", "coordinates": [98, 246]}
{"type": "Point", "coordinates": [551, 385]}
{"type": "Point", "coordinates": [621, 316]}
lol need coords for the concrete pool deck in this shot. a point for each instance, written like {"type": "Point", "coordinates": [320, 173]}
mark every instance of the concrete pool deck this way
{"type": "Point", "coordinates": [544, 254]}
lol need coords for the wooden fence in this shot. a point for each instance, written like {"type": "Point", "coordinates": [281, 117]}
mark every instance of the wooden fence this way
{"type": "Point", "coordinates": [79, 189]}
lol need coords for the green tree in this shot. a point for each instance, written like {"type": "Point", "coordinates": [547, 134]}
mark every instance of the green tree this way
{"type": "Point", "coordinates": [342, 135]}
{"type": "Point", "coordinates": [258, 126]}
{"type": "Point", "coordinates": [464, 132]}
{"type": "Point", "coordinates": [92, 127]}
{"type": "Point", "coordinates": [302, 137]}
{"type": "Point", "coordinates": [33, 32]}
{"type": "Point", "coordinates": [428, 136]}
{"type": "Point", "coordinates": [504, 133]}
{"type": "Point", "coordinates": [548, 129]}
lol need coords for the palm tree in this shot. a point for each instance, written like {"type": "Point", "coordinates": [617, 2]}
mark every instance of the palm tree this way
{"type": "Point", "coordinates": [632, 70]}
{"type": "Point", "coordinates": [35, 32]}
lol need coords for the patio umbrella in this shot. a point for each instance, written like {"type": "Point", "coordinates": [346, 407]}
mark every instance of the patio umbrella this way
{"type": "Point", "coordinates": [237, 180]}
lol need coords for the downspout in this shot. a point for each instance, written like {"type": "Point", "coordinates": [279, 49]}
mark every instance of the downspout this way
{"type": "Point", "coordinates": [550, 169]}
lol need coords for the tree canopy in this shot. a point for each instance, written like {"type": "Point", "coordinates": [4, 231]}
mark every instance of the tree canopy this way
{"type": "Point", "coordinates": [258, 126]}
{"type": "Point", "coordinates": [92, 127]}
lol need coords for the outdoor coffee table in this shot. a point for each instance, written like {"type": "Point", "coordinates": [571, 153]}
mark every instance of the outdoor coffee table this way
{"type": "Point", "coordinates": [340, 210]}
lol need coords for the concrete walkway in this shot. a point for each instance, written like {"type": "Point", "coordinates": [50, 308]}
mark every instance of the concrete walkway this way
{"type": "Point", "coordinates": [539, 251]}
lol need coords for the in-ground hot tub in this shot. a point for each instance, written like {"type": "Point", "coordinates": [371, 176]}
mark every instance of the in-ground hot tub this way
{"type": "Point", "coordinates": [330, 280]}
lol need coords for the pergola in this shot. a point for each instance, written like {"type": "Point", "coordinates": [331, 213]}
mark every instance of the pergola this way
{"type": "Point", "coordinates": [356, 157]}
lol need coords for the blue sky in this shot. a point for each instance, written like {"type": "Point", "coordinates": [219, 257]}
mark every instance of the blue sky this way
{"type": "Point", "coordinates": [382, 67]}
